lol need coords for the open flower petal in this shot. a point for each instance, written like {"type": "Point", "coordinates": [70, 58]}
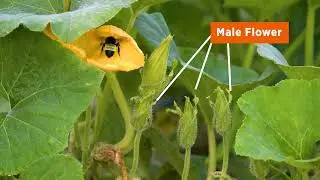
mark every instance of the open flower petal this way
{"type": "Point", "coordinates": [90, 46]}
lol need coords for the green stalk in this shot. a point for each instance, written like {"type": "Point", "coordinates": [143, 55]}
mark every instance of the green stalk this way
{"type": "Point", "coordinates": [126, 143]}
{"type": "Point", "coordinates": [102, 102]}
{"type": "Point", "coordinates": [86, 145]}
{"type": "Point", "coordinates": [297, 43]}
{"type": "Point", "coordinates": [309, 43]}
{"type": "Point", "coordinates": [225, 162]}
{"type": "Point", "coordinates": [212, 149]}
{"type": "Point", "coordinates": [249, 56]}
{"type": "Point", "coordinates": [136, 148]}
{"type": "Point", "coordinates": [186, 165]}
{"type": "Point", "coordinates": [294, 46]}
{"type": "Point", "coordinates": [66, 5]}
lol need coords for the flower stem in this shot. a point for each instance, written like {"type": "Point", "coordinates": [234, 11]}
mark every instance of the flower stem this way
{"type": "Point", "coordinates": [136, 148]}
{"type": "Point", "coordinates": [126, 143]}
{"type": "Point", "coordinates": [86, 144]}
{"type": "Point", "coordinates": [132, 20]}
{"type": "Point", "coordinates": [249, 56]}
{"type": "Point", "coordinates": [212, 149]}
{"type": "Point", "coordinates": [102, 103]}
{"type": "Point", "coordinates": [225, 161]}
{"type": "Point", "coordinates": [309, 43]}
{"type": "Point", "coordinates": [186, 165]}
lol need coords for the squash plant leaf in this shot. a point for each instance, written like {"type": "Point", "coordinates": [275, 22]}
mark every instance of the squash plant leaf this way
{"type": "Point", "coordinates": [270, 52]}
{"type": "Point", "coordinates": [36, 14]}
{"type": "Point", "coordinates": [54, 167]}
{"type": "Point", "coordinates": [277, 129]}
{"type": "Point", "coordinates": [301, 72]}
{"type": "Point", "coordinates": [47, 87]}
{"type": "Point", "coordinates": [293, 72]}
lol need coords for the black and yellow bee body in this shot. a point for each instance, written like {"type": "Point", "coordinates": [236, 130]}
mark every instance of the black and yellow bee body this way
{"type": "Point", "coordinates": [110, 46]}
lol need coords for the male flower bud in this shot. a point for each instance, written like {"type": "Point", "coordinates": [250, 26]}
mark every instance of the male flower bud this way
{"type": "Point", "coordinates": [221, 108]}
{"type": "Point", "coordinates": [187, 128]}
{"type": "Point", "coordinates": [153, 79]}
{"type": "Point", "coordinates": [154, 72]}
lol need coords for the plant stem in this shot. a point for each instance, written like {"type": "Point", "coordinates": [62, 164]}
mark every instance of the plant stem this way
{"type": "Point", "coordinates": [186, 165]}
{"type": "Point", "coordinates": [136, 148]}
{"type": "Point", "coordinates": [66, 5]}
{"type": "Point", "coordinates": [212, 149]}
{"type": "Point", "coordinates": [309, 43]}
{"type": "Point", "coordinates": [103, 100]}
{"type": "Point", "coordinates": [249, 56]}
{"type": "Point", "coordinates": [132, 20]}
{"type": "Point", "coordinates": [296, 43]}
{"type": "Point", "coordinates": [294, 46]}
{"type": "Point", "coordinates": [86, 144]}
{"type": "Point", "coordinates": [126, 143]}
{"type": "Point", "coordinates": [225, 161]}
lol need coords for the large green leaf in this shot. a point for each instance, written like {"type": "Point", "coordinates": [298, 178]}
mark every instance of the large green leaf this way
{"type": "Point", "coordinates": [48, 87]}
{"type": "Point", "coordinates": [60, 167]}
{"type": "Point", "coordinates": [301, 72]}
{"type": "Point", "coordinates": [263, 8]}
{"type": "Point", "coordinates": [36, 14]}
{"type": "Point", "coordinates": [281, 122]}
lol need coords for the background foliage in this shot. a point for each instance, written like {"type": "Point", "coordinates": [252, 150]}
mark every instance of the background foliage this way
{"type": "Point", "coordinates": [55, 108]}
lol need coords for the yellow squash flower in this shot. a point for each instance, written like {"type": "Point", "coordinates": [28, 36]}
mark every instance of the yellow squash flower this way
{"type": "Point", "coordinates": [107, 47]}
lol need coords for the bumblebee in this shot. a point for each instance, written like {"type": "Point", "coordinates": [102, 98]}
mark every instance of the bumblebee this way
{"type": "Point", "coordinates": [110, 46]}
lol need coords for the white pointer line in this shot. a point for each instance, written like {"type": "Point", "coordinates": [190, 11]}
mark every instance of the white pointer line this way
{"type": "Point", "coordinates": [182, 69]}
{"type": "Point", "coordinates": [203, 65]}
{"type": "Point", "coordinates": [229, 66]}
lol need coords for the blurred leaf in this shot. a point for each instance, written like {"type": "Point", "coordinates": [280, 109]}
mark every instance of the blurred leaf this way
{"type": "Point", "coordinates": [139, 5]}
{"type": "Point", "coordinates": [264, 8]}
{"type": "Point", "coordinates": [217, 67]}
{"type": "Point", "coordinates": [270, 52]}
{"type": "Point", "coordinates": [36, 14]}
{"type": "Point", "coordinates": [301, 72]}
{"type": "Point", "coordinates": [275, 128]}
{"type": "Point", "coordinates": [112, 129]}
{"type": "Point", "coordinates": [42, 97]}
{"type": "Point", "coordinates": [314, 3]}
{"type": "Point", "coordinates": [187, 28]}
{"type": "Point", "coordinates": [60, 167]}
{"type": "Point", "coordinates": [170, 151]}
{"type": "Point", "coordinates": [239, 168]}
{"type": "Point", "coordinates": [153, 28]}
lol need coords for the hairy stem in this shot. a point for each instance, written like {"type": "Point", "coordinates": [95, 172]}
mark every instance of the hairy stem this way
{"type": "Point", "coordinates": [309, 42]}
{"type": "Point", "coordinates": [126, 143]}
{"type": "Point", "coordinates": [225, 162]}
{"type": "Point", "coordinates": [186, 164]}
{"type": "Point", "coordinates": [212, 149]}
{"type": "Point", "coordinates": [136, 149]}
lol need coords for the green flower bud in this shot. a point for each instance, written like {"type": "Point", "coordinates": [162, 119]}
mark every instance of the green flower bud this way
{"type": "Point", "coordinates": [154, 78]}
{"type": "Point", "coordinates": [187, 129]}
{"type": "Point", "coordinates": [154, 72]}
{"type": "Point", "coordinates": [222, 114]}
